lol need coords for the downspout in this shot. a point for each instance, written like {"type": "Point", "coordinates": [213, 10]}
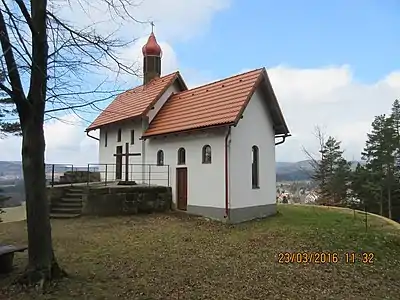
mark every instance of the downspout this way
{"type": "Point", "coordinates": [227, 175]}
{"type": "Point", "coordinates": [283, 139]}
{"type": "Point", "coordinates": [93, 137]}
{"type": "Point", "coordinates": [144, 126]}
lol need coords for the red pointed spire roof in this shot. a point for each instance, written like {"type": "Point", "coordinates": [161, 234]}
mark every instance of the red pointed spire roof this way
{"type": "Point", "coordinates": [152, 47]}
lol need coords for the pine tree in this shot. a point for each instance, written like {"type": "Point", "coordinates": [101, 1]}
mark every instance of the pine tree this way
{"type": "Point", "coordinates": [332, 174]}
{"type": "Point", "coordinates": [395, 122]}
{"type": "Point", "coordinates": [379, 154]}
{"type": "Point", "coordinates": [366, 187]}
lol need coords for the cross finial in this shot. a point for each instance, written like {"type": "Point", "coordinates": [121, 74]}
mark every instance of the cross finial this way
{"type": "Point", "coordinates": [152, 26]}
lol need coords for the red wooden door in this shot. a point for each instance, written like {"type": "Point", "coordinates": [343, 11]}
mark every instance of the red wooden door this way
{"type": "Point", "coordinates": [181, 188]}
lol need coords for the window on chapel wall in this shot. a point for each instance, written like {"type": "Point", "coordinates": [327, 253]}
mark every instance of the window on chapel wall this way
{"type": "Point", "coordinates": [206, 154]}
{"type": "Point", "coordinates": [119, 134]}
{"type": "Point", "coordinates": [160, 158]}
{"type": "Point", "coordinates": [181, 156]}
{"type": "Point", "coordinates": [105, 139]}
{"type": "Point", "coordinates": [254, 168]}
{"type": "Point", "coordinates": [132, 137]}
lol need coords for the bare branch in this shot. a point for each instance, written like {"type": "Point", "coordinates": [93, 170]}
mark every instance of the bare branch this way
{"type": "Point", "coordinates": [13, 72]}
{"type": "Point", "coordinates": [15, 28]}
{"type": "Point", "coordinates": [26, 15]}
{"type": "Point", "coordinates": [6, 89]}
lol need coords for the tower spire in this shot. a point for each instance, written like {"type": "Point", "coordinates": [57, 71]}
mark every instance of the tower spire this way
{"type": "Point", "coordinates": [151, 57]}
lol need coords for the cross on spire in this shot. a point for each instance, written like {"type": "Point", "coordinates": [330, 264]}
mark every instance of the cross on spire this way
{"type": "Point", "coordinates": [152, 26]}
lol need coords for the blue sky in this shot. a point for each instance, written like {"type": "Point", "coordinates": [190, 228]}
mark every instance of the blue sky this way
{"type": "Point", "coordinates": [302, 34]}
{"type": "Point", "coordinates": [332, 64]}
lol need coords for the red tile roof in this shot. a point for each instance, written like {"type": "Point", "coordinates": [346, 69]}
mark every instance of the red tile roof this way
{"type": "Point", "coordinates": [134, 102]}
{"type": "Point", "coordinates": [214, 104]}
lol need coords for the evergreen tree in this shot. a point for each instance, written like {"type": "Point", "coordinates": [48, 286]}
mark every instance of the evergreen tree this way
{"type": "Point", "coordinates": [395, 182]}
{"type": "Point", "coordinates": [395, 118]}
{"type": "Point", "coordinates": [365, 186]}
{"type": "Point", "coordinates": [379, 154]}
{"type": "Point", "coordinates": [332, 174]}
{"type": "Point", "coordinates": [373, 155]}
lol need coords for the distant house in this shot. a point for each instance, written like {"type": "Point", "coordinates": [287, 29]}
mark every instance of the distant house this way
{"type": "Point", "coordinates": [217, 139]}
{"type": "Point", "coordinates": [310, 198]}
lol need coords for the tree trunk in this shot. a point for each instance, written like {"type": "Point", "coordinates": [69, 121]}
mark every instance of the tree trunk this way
{"type": "Point", "coordinates": [42, 265]}
{"type": "Point", "coordinates": [381, 202]}
{"type": "Point", "coordinates": [389, 186]}
{"type": "Point", "coordinates": [390, 202]}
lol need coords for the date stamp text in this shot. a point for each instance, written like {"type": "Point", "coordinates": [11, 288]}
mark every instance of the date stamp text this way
{"type": "Point", "coordinates": [325, 257]}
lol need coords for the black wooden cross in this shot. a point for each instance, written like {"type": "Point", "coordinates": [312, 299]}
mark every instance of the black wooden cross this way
{"type": "Point", "coordinates": [127, 154]}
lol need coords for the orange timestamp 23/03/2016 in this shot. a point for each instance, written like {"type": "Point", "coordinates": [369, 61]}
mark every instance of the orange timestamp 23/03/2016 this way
{"type": "Point", "coordinates": [325, 257]}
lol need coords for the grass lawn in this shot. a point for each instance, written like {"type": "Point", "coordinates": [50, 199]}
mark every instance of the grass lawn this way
{"type": "Point", "coordinates": [180, 257]}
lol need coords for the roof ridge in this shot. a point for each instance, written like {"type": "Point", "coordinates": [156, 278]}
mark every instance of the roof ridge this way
{"type": "Point", "coordinates": [142, 85]}
{"type": "Point", "coordinates": [219, 80]}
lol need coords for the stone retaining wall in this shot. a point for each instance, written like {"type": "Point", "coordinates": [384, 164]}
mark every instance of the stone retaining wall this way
{"type": "Point", "coordinates": [79, 177]}
{"type": "Point", "coordinates": [123, 200]}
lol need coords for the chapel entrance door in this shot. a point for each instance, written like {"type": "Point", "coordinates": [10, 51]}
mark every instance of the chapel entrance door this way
{"type": "Point", "coordinates": [118, 163]}
{"type": "Point", "coordinates": [181, 188]}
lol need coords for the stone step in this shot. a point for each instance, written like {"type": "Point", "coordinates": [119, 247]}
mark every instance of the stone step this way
{"type": "Point", "coordinates": [75, 190]}
{"type": "Point", "coordinates": [66, 210]}
{"type": "Point", "coordinates": [67, 204]}
{"type": "Point", "coordinates": [73, 195]}
{"type": "Point", "coordinates": [63, 216]}
{"type": "Point", "coordinates": [70, 200]}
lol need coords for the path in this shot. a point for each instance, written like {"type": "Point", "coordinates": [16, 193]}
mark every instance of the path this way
{"type": "Point", "coordinates": [13, 214]}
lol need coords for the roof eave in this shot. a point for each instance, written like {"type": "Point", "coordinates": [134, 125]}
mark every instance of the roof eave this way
{"type": "Point", "coordinates": [246, 102]}
{"type": "Point", "coordinates": [112, 123]}
{"type": "Point", "coordinates": [277, 109]}
{"type": "Point", "coordinates": [146, 136]}
{"type": "Point", "coordinates": [263, 78]}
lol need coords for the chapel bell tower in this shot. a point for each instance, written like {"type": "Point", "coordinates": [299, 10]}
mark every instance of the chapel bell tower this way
{"type": "Point", "coordinates": [151, 58]}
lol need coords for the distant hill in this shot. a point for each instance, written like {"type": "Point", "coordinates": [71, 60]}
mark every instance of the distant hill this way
{"type": "Point", "coordinates": [14, 169]}
{"type": "Point", "coordinates": [285, 171]}
{"type": "Point", "coordinates": [301, 170]}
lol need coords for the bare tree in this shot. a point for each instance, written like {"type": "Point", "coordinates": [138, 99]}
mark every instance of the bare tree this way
{"type": "Point", "coordinates": [45, 61]}
{"type": "Point", "coordinates": [320, 135]}
{"type": "Point", "coordinates": [314, 159]}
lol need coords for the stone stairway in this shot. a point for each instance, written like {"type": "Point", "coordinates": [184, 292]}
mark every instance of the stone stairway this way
{"type": "Point", "coordinates": [69, 206]}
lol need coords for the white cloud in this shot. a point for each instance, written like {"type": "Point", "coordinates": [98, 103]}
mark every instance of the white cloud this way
{"type": "Point", "coordinates": [310, 85]}
{"type": "Point", "coordinates": [174, 19]}
{"type": "Point", "coordinates": [66, 143]}
{"type": "Point", "coordinates": [332, 98]}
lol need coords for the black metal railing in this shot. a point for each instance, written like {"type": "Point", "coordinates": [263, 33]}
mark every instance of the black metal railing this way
{"type": "Point", "coordinates": [150, 174]}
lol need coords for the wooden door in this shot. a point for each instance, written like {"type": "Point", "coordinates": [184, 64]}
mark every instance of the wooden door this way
{"type": "Point", "coordinates": [181, 188]}
{"type": "Point", "coordinates": [118, 163]}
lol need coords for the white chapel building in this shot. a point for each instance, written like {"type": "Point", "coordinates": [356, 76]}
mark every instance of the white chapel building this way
{"type": "Point", "coordinates": [217, 141]}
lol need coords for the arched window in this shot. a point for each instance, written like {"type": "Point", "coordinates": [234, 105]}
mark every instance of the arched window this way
{"type": "Point", "coordinates": [160, 158]}
{"type": "Point", "coordinates": [254, 168]}
{"type": "Point", "coordinates": [181, 156]}
{"type": "Point", "coordinates": [206, 154]}
{"type": "Point", "coordinates": [119, 134]}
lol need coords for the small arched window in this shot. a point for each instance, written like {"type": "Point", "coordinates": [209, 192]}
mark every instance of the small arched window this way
{"type": "Point", "coordinates": [160, 158]}
{"type": "Point", "coordinates": [206, 154]}
{"type": "Point", "coordinates": [254, 168]}
{"type": "Point", "coordinates": [181, 156]}
{"type": "Point", "coordinates": [119, 134]}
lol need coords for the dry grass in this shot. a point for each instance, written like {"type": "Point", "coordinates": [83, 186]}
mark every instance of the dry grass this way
{"type": "Point", "coordinates": [181, 257]}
